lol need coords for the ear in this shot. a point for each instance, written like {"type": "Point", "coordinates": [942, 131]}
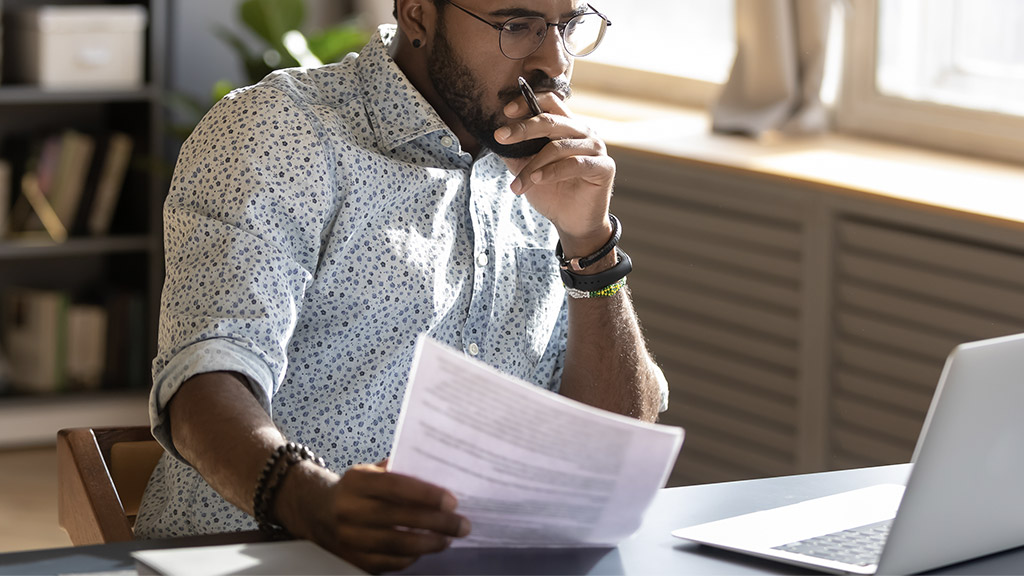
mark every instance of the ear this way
{"type": "Point", "coordinates": [416, 19]}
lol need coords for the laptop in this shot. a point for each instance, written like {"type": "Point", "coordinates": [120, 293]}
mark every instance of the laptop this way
{"type": "Point", "coordinates": [964, 497]}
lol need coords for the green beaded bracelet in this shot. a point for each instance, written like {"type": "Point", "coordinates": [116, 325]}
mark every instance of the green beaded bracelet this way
{"type": "Point", "coordinates": [606, 292]}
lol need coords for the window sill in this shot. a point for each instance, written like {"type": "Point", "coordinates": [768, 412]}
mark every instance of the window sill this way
{"type": "Point", "coordinates": [842, 164]}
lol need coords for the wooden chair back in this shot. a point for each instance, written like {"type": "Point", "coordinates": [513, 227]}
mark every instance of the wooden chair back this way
{"type": "Point", "coordinates": [101, 474]}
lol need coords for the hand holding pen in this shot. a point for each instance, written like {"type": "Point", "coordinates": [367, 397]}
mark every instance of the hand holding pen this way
{"type": "Point", "coordinates": [570, 179]}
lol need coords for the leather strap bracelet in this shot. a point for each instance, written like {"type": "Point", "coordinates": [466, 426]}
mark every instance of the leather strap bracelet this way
{"type": "Point", "coordinates": [601, 280]}
{"type": "Point", "coordinates": [274, 471]}
{"type": "Point", "coordinates": [578, 264]}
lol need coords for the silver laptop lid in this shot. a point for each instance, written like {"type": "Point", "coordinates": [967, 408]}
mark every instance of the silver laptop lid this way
{"type": "Point", "coordinates": [964, 498]}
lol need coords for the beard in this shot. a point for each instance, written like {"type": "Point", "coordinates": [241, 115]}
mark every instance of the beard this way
{"type": "Point", "coordinates": [455, 82]}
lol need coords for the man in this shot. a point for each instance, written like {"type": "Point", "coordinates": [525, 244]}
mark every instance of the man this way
{"type": "Point", "coordinates": [320, 220]}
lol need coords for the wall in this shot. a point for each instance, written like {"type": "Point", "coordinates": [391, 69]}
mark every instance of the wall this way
{"type": "Point", "coordinates": [199, 58]}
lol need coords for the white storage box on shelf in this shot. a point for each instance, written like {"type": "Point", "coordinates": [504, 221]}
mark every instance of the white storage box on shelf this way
{"type": "Point", "coordinates": [79, 47]}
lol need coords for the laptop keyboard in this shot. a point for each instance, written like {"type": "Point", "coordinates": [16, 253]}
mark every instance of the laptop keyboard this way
{"type": "Point", "coordinates": [859, 546]}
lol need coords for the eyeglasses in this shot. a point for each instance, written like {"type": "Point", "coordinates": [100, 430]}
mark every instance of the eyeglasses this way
{"type": "Point", "coordinates": [521, 36]}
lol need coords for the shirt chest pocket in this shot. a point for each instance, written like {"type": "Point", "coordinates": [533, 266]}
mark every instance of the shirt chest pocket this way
{"type": "Point", "coordinates": [538, 299]}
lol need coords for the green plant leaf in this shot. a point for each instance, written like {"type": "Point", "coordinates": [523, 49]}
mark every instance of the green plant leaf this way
{"type": "Point", "coordinates": [332, 44]}
{"type": "Point", "coordinates": [234, 41]}
{"type": "Point", "coordinates": [270, 19]}
{"type": "Point", "coordinates": [253, 62]}
{"type": "Point", "coordinates": [221, 89]}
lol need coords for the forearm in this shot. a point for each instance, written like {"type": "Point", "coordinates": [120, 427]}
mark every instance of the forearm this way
{"type": "Point", "coordinates": [223, 432]}
{"type": "Point", "coordinates": [377, 520]}
{"type": "Point", "coordinates": [607, 364]}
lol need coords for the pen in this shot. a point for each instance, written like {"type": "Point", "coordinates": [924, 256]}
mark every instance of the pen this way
{"type": "Point", "coordinates": [531, 98]}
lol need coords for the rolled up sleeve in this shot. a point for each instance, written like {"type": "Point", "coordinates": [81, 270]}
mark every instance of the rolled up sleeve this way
{"type": "Point", "coordinates": [249, 202]}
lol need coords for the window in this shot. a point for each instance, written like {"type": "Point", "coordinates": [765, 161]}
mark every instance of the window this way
{"type": "Point", "coordinates": [678, 50]}
{"type": "Point", "coordinates": [966, 53]}
{"type": "Point", "coordinates": [938, 72]}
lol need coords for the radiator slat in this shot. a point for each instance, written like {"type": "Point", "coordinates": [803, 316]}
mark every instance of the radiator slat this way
{"type": "Point", "coordinates": [888, 364]}
{"type": "Point", "coordinates": [899, 427]}
{"type": "Point", "coordinates": [926, 315]}
{"type": "Point", "coordinates": [675, 300]}
{"type": "Point", "coordinates": [904, 300]}
{"type": "Point", "coordinates": [744, 344]}
{"type": "Point", "coordinates": [884, 332]}
{"type": "Point", "coordinates": [956, 255]}
{"type": "Point", "coordinates": [716, 284]}
{"type": "Point", "coordinates": [943, 289]}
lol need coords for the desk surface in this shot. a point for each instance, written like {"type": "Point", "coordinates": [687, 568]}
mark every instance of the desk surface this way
{"type": "Point", "coordinates": [652, 550]}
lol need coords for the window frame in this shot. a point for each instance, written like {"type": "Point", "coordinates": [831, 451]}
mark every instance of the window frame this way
{"type": "Point", "coordinates": [862, 110]}
{"type": "Point", "coordinates": [645, 84]}
{"type": "Point", "coordinates": [592, 73]}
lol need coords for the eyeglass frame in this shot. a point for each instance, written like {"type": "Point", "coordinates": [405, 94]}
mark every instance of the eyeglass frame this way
{"type": "Point", "coordinates": [561, 29]}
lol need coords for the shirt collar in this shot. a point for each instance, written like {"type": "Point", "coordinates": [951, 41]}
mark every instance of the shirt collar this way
{"type": "Point", "coordinates": [399, 113]}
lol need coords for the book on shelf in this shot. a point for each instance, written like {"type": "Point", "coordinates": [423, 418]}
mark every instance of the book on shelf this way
{"type": "Point", "coordinates": [111, 173]}
{"type": "Point", "coordinates": [34, 337]}
{"type": "Point", "coordinates": [51, 184]}
{"type": "Point", "coordinates": [40, 157]}
{"type": "Point", "coordinates": [5, 370]}
{"type": "Point", "coordinates": [60, 165]}
{"type": "Point", "coordinates": [5, 197]}
{"type": "Point", "coordinates": [41, 208]}
{"type": "Point", "coordinates": [86, 346]}
{"type": "Point", "coordinates": [74, 177]}
{"type": "Point", "coordinates": [54, 343]}
{"type": "Point", "coordinates": [75, 159]}
{"type": "Point", "coordinates": [126, 364]}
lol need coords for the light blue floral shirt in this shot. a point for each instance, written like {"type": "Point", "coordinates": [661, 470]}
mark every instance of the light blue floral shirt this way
{"type": "Point", "coordinates": [317, 222]}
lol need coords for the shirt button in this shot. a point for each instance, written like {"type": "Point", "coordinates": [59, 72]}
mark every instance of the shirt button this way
{"type": "Point", "coordinates": [481, 260]}
{"type": "Point", "coordinates": [474, 350]}
{"type": "Point", "coordinates": [447, 141]}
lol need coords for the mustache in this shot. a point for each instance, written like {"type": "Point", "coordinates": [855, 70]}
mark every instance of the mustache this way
{"type": "Point", "coordinates": [539, 83]}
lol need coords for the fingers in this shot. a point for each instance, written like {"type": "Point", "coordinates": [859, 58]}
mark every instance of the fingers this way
{"type": "Point", "coordinates": [548, 125]}
{"type": "Point", "coordinates": [391, 542]}
{"type": "Point", "coordinates": [574, 152]}
{"type": "Point", "coordinates": [376, 513]}
{"type": "Point", "coordinates": [382, 521]}
{"type": "Point", "coordinates": [595, 170]}
{"type": "Point", "coordinates": [565, 161]}
{"type": "Point", "coordinates": [374, 482]}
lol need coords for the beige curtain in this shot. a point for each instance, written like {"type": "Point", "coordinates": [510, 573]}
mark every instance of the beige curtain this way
{"type": "Point", "coordinates": [775, 83]}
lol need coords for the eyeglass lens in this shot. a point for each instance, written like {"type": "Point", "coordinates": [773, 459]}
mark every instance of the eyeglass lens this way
{"type": "Point", "coordinates": [521, 37]}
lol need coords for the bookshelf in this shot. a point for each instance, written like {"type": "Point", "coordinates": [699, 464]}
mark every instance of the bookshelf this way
{"type": "Point", "coordinates": [87, 267]}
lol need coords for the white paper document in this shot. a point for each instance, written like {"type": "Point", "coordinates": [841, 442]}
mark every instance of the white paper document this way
{"type": "Point", "coordinates": [529, 468]}
{"type": "Point", "coordinates": [288, 557]}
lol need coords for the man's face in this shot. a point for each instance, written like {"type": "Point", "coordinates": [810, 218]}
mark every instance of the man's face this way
{"type": "Point", "coordinates": [476, 80]}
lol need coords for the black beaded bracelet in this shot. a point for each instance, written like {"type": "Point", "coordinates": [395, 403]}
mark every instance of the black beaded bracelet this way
{"type": "Point", "coordinates": [274, 471]}
{"type": "Point", "coordinates": [578, 264]}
